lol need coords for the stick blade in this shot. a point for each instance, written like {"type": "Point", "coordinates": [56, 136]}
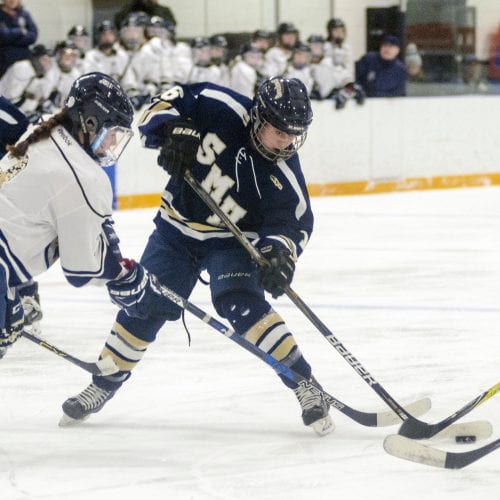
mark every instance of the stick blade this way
{"type": "Point", "coordinates": [417, 408]}
{"type": "Point", "coordinates": [408, 449]}
{"type": "Point", "coordinates": [481, 429]}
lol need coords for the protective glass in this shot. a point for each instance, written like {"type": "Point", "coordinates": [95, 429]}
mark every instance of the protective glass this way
{"type": "Point", "coordinates": [109, 144]}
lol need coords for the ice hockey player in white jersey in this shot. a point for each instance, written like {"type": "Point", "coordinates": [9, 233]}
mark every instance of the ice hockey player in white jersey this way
{"type": "Point", "coordinates": [63, 73]}
{"type": "Point", "coordinates": [218, 58]}
{"type": "Point", "coordinates": [299, 66]}
{"type": "Point", "coordinates": [107, 56]}
{"type": "Point", "coordinates": [277, 57]}
{"type": "Point", "coordinates": [202, 69]}
{"type": "Point", "coordinates": [246, 71]}
{"type": "Point", "coordinates": [24, 84]}
{"type": "Point", "coordinates": [55, 203]}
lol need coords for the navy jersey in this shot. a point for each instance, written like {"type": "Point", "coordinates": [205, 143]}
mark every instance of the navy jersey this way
{"type": "Point", "coordinates": [13, 124]}
{"type": "Point", "coordinates": [263, 198]}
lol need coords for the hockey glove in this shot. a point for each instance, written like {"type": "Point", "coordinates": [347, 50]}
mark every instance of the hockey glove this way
{"type": "Point", "coordinates": [14, 322]}
{"type": "Point", "coordinates": [276, 276]}
{"type": "Point", "coordinates": [178, 152]}
{"type": "Point", "coordinates": [30, 299]}
{"type": "Point", "coordinates": [135, 291]}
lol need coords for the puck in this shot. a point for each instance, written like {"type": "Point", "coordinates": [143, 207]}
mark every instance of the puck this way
{"type": "Point", "coordinates": [465, 439]}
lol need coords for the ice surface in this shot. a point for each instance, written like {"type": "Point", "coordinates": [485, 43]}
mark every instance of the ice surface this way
{"type": "Point", "coordinates": [410, 283]}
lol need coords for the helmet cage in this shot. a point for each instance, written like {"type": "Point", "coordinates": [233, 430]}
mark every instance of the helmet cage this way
{"type": "Point", "coordinates": [285, 105]}
{"type": "Point", "coordinates": [258, 123]}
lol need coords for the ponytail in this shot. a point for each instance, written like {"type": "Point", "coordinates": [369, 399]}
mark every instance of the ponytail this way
{"type": "Point", "coordinates": [41, 132]}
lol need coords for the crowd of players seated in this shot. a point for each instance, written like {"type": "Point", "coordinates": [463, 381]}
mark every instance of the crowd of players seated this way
{"type": "Point", "coordinates": [146, 58]}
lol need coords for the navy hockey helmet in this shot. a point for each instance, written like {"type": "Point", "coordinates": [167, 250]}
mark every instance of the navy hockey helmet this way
{"type": "Point", "coordinates": [333, 23]}
{"type": "Point", "coordinates": [105, 25]}
{"type": "Point", "coordinates": [100, 116]}
{"type": "Point", "coordinates": [315, 39]}
{"type": "Point", "coordinates": [267, 35]}
{"type": "Point", "coordinates": [138, 18]}
{"type": "Point", "coordinates": [199, 42]}
{"type": "Point", "coordinates": [284, 104]}
{"type": "Point", "coordinates": [287, 28]}
{"type": "Point", "coordinates": [218, 41]}
{"type": "Point", "coordinates": [78, 30]}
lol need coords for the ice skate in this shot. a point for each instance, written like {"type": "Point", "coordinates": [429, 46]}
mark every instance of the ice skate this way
{"type": "Point", "coordinates": [314, 409]}
{"type": "Point", "coordinates": [78, 408]}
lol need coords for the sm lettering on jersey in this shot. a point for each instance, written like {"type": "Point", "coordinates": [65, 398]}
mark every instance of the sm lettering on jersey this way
{"type": "Point", "coordinates": [215, 183]}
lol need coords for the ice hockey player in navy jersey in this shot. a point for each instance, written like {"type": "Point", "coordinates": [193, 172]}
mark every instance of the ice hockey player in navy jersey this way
{"type": "Point", "coordinates": [55, 203]}
{"type": "Point", "coordinates": [244, 153]}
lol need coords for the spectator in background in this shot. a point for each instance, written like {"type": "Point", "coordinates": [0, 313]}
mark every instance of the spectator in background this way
{"type": "Point", "coordinates": [17, 32]}
{"type": "Point", "coordinates": [150, 7]}
{"type": "Point", "coordinates": [413, 62]}
{"type": "Point", "coordinates": [381, 73]}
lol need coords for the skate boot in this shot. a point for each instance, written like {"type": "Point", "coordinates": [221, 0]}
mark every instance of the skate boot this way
{"type": "Point", "coordinates": [314, 409]}
{"type": "Point", "coordinates": [80, 407]}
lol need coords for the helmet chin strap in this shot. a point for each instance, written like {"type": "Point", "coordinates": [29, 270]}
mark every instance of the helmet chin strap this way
{"type": "Point", "coordinates": [84, 128]}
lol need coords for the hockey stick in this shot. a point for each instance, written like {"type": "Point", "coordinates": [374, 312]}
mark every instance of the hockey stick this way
{"type": "Point", "coordinates": [415, 428]}
{"type": "Point", "coordinates": [411, 427]}
{"type": "Point", "coordinates": [381, 419]}
{"type": "Point", "coordinates": [403, 447]}
{"type": "Point", "coordinates": [102, 367]}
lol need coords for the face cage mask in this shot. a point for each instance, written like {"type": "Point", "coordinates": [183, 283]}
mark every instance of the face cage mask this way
{"type": "Point", "coordinates": [109, 144]}
{"type": "Point", "coordinates": [272, 154]}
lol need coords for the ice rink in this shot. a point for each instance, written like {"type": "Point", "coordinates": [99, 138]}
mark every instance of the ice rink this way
{"type": "Point", "coordinates": [410, 283]}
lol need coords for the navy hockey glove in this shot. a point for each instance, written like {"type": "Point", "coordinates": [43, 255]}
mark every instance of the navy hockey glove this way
{"type": "Point", "coordinates": [135, 291]}
{"type": "Point", "coordinates": [13, 326]}
{"type": "Point", "coordinates": [275, 277]}
{"type": "Point", "coordinates": [178, 152]}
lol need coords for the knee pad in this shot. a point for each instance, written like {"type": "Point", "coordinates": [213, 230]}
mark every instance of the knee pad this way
{"type": "Point", "coordinates": [241, 309]}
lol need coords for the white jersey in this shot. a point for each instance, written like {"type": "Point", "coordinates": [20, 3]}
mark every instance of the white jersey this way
{"type": "Point", "coordinates": [113, 64]}
{"type": "Point", "coordinates": [61, 82]}
{"type": "Point", "coordinates": [342, 61]}
{"type": "Point", "coordinates": [304, 74]}
{"type": "Point", "coordinates": [275, 61]}
{"type": "Point", "coordinates": [244, 78]}
{"type": "Point", "coordinates": [21, 86]}
{"type": "Point", "coordinates": [326, 77]}
{"type": "Point", "coordinates": [53, 203]}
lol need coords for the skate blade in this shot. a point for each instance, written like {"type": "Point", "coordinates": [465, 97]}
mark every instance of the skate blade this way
{"type": "Point", "coordinates": [67, 421]}
{"type": "Point", "coordinates": [323, 426]}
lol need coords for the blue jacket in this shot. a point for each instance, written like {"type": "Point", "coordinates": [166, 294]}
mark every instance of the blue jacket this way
{"type": "Point", "coordinates": [16, 35]}
{"type": "Point", "coordinates": [379, 77]}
